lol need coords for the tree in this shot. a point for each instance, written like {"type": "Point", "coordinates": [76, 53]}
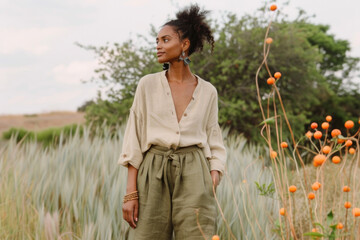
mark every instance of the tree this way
{"type": "Point", "coordinates": [309, 58]}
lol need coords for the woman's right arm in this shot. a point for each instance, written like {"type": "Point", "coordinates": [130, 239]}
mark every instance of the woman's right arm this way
{"type": "Point", "coordinates": [131, 208]}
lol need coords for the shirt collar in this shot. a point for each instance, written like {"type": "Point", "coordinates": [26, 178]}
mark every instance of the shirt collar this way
{"type": "Point", "coordinates": [166, 86]}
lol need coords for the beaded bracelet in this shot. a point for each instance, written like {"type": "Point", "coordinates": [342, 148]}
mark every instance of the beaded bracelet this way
{"type": "Point", "coordinates": [131, 196]}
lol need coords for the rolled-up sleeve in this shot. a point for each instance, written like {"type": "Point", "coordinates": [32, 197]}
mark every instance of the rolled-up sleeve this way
{"type": "Point", "coordinates": [131, 152]}
{"type": "Point", "coordinates": [215, 139]}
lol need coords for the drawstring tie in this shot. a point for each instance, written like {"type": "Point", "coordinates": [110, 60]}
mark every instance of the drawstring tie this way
{"type": "Point", "coordinates": [169, 155]}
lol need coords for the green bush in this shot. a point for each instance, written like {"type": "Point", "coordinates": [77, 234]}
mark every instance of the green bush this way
{"type": "Point", "coordinates": [48, 137]}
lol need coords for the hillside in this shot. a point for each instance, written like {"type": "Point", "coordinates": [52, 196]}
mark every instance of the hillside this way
{"type": "Point", "coordinates": [40, 121]}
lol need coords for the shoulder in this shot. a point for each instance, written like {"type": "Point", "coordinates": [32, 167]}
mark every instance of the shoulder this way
{"type": "Point", "coordinates": [208, 87]}
{"type": "Point", "coordinates": [149, 79]}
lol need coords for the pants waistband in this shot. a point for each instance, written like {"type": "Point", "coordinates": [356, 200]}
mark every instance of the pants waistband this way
{"type": "Point", "coordinates": [172, 155]}
{"type": "Point", "coordinates": [164, 150]}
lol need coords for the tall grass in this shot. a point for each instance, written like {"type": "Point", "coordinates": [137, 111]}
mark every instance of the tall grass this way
{"type": "Point", "coordinates": [75, 190]}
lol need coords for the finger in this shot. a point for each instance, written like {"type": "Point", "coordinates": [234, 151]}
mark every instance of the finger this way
{"type": "Point", "coordinates": [132, 220]}
{"type": "Point", "coordinates": [136, 211]}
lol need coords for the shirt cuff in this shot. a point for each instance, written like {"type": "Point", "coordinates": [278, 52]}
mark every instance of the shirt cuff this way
{"type": "Point", "coordinates": [126, 159]}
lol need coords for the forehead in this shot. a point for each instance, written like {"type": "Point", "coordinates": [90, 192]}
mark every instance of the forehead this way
{"type": "Point", "coordinates": [167, 30]}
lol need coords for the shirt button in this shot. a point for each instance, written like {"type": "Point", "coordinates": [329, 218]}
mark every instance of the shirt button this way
{"type": "Point", "coordinates": [177, 132]}
{"type": "Point", "coordinates": [168, 93]}
{"type": "Point", "coordinates": [185, 114]}
{"type": "Point", "coordinates": [124, 155]}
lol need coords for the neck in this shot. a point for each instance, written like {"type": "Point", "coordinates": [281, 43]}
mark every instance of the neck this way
{"type": "Point", "coordinates": [179, 72]}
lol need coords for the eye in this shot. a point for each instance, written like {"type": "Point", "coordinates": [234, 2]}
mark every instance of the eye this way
{"type": "Point", "coordinates": [166, 40]}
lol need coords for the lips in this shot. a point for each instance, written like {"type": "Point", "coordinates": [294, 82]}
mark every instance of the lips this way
{"type": "Point", "coordinates": [160, 53]}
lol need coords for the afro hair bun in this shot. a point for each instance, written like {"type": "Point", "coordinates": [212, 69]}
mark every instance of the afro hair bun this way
{"type": "Point", "coordinates": [191, 23]}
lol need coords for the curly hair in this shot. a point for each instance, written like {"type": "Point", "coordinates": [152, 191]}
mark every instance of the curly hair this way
{"type": "Point", "coordinates": [190, 23]}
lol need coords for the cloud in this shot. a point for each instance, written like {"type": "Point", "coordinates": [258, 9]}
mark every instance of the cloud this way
{"type": "Point", "coordinates": [33, 40]}
{"type": "Point", "coordinates": [136, 3]}
{"type": "Point", "coordinates": [74, 72]}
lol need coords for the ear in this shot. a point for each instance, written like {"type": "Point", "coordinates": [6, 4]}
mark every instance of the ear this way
{"type": "Point", "coordinates": [185, 45]}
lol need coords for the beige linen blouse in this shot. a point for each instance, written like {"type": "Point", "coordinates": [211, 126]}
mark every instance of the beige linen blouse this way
{"type": "Point", "coordinates": [152, 120]}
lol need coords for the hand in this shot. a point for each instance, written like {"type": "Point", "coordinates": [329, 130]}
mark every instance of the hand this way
{"type": "Point", "coordinates": [130, 212]}
{"type": "Point", "coordinates": [215, 176]}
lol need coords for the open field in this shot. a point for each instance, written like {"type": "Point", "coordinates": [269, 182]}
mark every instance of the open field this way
{"type": "Point", "coordinates": [40, 121]}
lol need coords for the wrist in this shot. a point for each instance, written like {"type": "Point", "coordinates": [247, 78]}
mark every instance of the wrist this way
{"type": "Point", "coordinates": [130, 189]}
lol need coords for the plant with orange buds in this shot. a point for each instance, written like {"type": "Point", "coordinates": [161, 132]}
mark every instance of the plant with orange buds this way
{"type": "Point", "coordinates": [336, 159]}
{"type": "Point", "coordinates": [349, 124]}
{"type": "Point", "coordinates": [325, 125]}
{"type": "Point", "coordinates": [317, 135]}
{"type": "Point", "coordinates": [335, 132]}
{"type": "Point", "coordinates": [347, 205]}
{"type": "Point", "coordinates": [292, 188]}
{"type": "Point", "coordinates": [311, 196]}
{"type": "Point", "coordinates": [284, 145]}
{"type": "Point", "coordinates": [316, 186]}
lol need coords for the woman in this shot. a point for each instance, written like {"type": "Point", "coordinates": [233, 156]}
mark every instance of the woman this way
{"type": "Point", "coordinates": [173, 145]}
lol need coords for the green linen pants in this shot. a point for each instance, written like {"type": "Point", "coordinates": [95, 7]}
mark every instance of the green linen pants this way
{"type": "Point", "coordinates": [172, 185]}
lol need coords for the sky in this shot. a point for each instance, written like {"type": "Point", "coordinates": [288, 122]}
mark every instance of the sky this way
{"type": "Point", "coordinates": [43, 70]}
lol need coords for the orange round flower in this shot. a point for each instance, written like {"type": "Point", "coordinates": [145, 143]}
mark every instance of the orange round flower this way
{"type": "Point", "coordinates": [269, 40]}
{"type": "Point", "coordinates": [277, 75]}
{"type": "Point", "coordinates": [326, 149]}
{"type": "Point", "coordinates": [311, 196]}
{"type": "Point", "coordinates": [348, 143]}
{"type": "Point", "coordinates": [282, 211]}
{"type": "Point", "coordinates": [356, 212]}
{"type": "Point", "coordinates": [328, 118]}
{"type": "Point", "coordinates": [340, 140]}
{"type": "Point", "coordinates": [317, 135]}
{"type": "Point", "coordinates": [284, 145]}
{"type": "Point", "coordinates": [336, 159]}
{"type": "Point", "coordinates": [347, 204]}
{"type": "Point", "coordinates": [339, 226]}
{"type": "Point", "coordinates": [273, 154]}
{"type": "Point", "coordinates": [314, 125]}
{"type": "Point", "coordinates": [349, 124]}
{"type": "Point", "coordinates": [309, 134]}
{"type": "Point", "coordinates": [346, 189]}
{"type": "Point", "coordinates": [292, 188]}
{"type": "Point", "coordinates": [319, 159]}
{"type": "Point", "coordinates": [335, 132]}
{"type": "Point", "coordinates": [273, 7]}
{"type": "Point", "coordinates": [215, 237]}
{"type": "Point", "coordinates": [270, 80]}
{"type": "Point", "coordinates": [325, 125]}
{"type": "Point", "coordinates": [352, 151]}
{"type": "Point", "coordinates": [316, 186]}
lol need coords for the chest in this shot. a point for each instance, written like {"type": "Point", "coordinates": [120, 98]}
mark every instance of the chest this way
{"type": "Point", "coordinates": [181, 95]}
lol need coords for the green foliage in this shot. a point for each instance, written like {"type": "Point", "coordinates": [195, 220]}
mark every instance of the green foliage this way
{"type": "Point", "coordinates": [120, 68]}
{"type": "Point", "coordinates": [316, 71]}
{"type": "Point", "coordinates": [48, 137]}
{"type": "Point", "coordinates": [265, 190]}
{"type": "Point", "coordinates": [85, 105]}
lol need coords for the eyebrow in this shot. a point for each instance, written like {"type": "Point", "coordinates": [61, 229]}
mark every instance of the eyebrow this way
{"type": "Point", "coordinates": [163, 36]}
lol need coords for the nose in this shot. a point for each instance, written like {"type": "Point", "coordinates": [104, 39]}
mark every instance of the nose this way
{"type": "Point", "coordinates": [158, 46]}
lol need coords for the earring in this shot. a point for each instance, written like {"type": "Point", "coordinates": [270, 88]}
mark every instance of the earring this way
{"type": "Point", "coordinates": [166, 66]}
{"type": "Point", "coordinates": [186, 59]}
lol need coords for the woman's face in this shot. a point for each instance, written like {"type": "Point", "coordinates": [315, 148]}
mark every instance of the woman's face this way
{"type": "Point", "coordinates": [169, 46]}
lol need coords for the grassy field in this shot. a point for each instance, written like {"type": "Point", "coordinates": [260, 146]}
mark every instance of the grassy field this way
{"type": "Point", "coordinates": [75, 191]}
